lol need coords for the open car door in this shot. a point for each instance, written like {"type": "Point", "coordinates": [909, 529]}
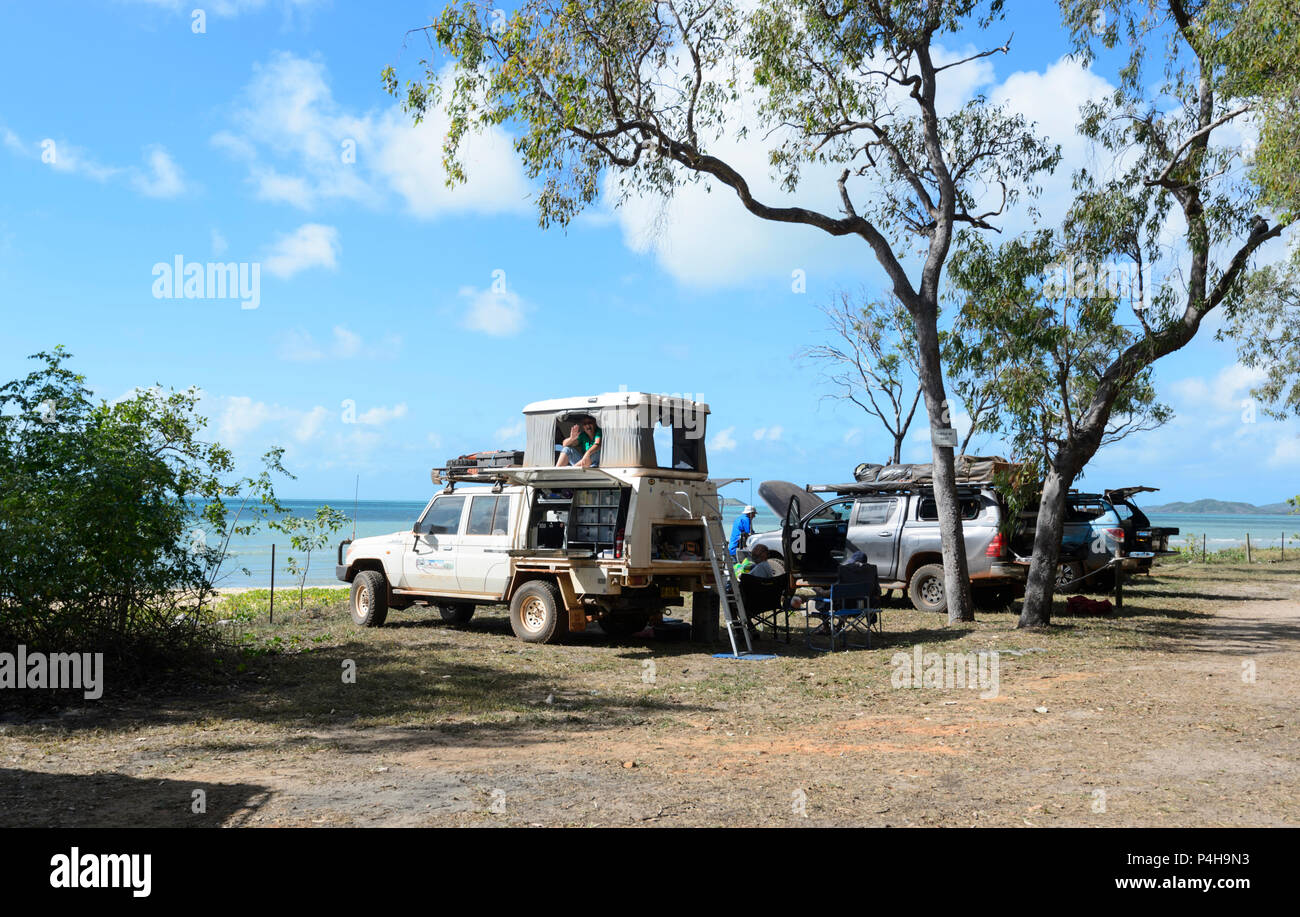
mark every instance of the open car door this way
{"type": "Point", "coordinates": [792, 536]}
{"type": "Point", "coordinates": [1141, 538]}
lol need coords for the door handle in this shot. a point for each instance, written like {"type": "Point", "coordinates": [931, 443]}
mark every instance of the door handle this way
{"type": "Point", "coordinates": [884, 534]}
{"type": "Point", "coordinates": [448, 548]}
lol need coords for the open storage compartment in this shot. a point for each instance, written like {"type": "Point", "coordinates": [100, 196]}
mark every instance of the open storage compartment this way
{"type": "Point", "coordinates": [684, 542]}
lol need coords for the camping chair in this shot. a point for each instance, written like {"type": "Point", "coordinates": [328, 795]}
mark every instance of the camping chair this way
{"type": "Point", "coordinates": [765, 602]}
{"type": "Point", "coordinates": [846, 617]}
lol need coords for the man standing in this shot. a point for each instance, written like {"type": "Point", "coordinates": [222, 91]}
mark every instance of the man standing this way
{"type": "Point", "coordinates": [582, 446]}
{"type": "Point", "coordinates": [741, 529]}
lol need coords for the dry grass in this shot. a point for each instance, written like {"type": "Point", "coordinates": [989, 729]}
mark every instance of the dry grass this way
{"type": "Point", "coordinates": [448, 725]}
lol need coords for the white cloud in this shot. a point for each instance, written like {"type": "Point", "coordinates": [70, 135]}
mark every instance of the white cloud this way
{"type": "Point", "coordinates": [509, 432]}
{"type": "Point", "coordinates": [160, 177]}
{"type": "Point", "coordinates": [219, 244]}
{"type": "Point", "coordinates": [378, 416]}
{"type": "Point", "coordinates": [229, 8]}
{"type": "Point", "coordinates": [723, 440]}
{"type": "Point", "coordinates": [497, 312]}
{"type": "Point", "coordinates": [163, 177]}
{"type": "Point", "coordinates": [299, 345]}
{"type": "Point", "coordinates": [1051, 99]}
{"type": "Point", "coordinates": [310, 425]}
{"type": "Point", "coordinates": [302, 148]}
{"type": "Point", "coordinates": [704, 236]}
{"type": "Point", "coordinates": [310, 245]}
{"type": "Point", "coordinates": [768, 433]}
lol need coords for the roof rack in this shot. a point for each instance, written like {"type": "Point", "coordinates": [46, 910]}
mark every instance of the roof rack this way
{"type": "Point", "coordinates": [876, 487]}
{"type": "Point", "coordinates": [453, 476]}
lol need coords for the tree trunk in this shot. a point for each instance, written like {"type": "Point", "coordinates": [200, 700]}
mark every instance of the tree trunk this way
{"type": "Point", "coordinates": [1039, 589]}
{"type": "Point", "coordinates": [956, 573]}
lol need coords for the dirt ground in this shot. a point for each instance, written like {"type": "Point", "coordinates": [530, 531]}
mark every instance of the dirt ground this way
{"type": "Point", "coordinates": [1181, 711]}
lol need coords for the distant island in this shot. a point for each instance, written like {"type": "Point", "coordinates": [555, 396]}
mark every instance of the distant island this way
{"type": "Point", "coordinates": [1223, 507]}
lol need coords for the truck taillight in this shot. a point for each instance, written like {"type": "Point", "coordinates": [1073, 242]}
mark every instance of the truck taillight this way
{"type": "Point", "coordinates": [1117, 534]}
{"type": "Point", "coordinates": [996, 546]}
{"type": "Point", "coordinates": [618, 543]}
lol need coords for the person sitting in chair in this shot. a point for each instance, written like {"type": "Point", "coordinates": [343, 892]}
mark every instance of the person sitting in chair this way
{"type": "Point", "coordinates": [582, 446]}
{"type": "Point", "coordinates": [765, 565]}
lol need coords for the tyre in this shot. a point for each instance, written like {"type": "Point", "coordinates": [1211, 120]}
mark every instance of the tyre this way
{"type": "Point", "coordinates": [925, 589]}
{"type": "Point", "coordinates": [456, 614]}
{"type": "Point", "coordinates": [1068, 572]}
{"type": "Point", "coordinates": [369, 605]}
{"type": "Point", "coordinates": [536, 613]}
{"type": "Point", "coordinates": [624, 625]}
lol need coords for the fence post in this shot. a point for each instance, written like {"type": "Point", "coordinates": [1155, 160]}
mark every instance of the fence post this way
{"type": "Point", "coordinates": [272, 620]}
{"type": "Point", "coordinates": [1248, 547]}
{"type": "Point", "coordinates": [1202, 548]}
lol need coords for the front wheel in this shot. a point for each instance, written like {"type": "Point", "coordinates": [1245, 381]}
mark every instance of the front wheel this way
{"type": "Point", "coordinates": [369, 600]}
{"type": "Point", "coordinates": [926, 589]}
{"type": "Point", "coordinates": [536, 613]}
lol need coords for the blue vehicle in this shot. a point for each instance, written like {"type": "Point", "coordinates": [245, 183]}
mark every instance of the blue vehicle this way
{"type": "Point", "coordinates": [1102, 527]}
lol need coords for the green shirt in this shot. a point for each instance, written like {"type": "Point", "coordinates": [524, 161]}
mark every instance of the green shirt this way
{"type": "Point", "coordinates": [585, 442]}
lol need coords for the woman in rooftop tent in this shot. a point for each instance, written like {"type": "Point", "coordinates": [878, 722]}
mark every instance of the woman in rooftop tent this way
{"type": "Point", "coordinates": [582, 447]}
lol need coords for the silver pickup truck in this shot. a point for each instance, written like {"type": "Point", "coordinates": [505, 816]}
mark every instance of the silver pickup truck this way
{"type": "Point", "coordinates": [897, 527]}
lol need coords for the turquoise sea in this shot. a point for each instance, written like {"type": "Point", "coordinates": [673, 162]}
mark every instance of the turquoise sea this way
{"type": "Point", "coordinates": [380, 517]}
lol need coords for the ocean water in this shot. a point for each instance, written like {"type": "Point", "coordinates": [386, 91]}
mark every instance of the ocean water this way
{"type": "Point", "coordinates": [373, 517]}
{"type": "Point", "coordinates": [380, 517]}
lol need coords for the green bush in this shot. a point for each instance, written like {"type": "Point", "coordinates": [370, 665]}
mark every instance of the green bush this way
{"type": "Point", "coordinates": [114, 518]}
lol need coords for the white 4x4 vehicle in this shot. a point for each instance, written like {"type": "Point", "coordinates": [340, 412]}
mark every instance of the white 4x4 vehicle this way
{"type": "Point", "coordinates": [563, 546]}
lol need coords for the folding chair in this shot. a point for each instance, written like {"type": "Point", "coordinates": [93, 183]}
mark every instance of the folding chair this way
{"type": "Point", "coordinates": [846, 617]}
{"type": "Point", "coordinates": [765, 602]}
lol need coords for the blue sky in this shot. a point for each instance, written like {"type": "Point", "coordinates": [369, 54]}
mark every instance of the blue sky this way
{"type": "Point", "coordinates": [400, 323]}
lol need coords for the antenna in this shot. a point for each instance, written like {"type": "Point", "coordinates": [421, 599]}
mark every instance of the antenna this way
{"type": "Point", "coordinates": [355, 493]}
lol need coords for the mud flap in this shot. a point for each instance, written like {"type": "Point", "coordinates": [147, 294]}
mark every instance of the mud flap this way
{"type": "Point", "coordinates": [572, 604]}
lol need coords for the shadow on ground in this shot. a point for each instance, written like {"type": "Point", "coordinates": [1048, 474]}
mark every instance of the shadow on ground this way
{"type": "Point", "coordinates": [32, 799]}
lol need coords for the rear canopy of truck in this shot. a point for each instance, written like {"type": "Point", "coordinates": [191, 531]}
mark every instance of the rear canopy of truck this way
{"type": "Point", "coordinates": [638, 430]}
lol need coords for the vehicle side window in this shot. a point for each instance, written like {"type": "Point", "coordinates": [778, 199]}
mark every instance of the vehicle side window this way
{"type": "Point", "coordinates": [481, 510]}
{"type": "Point", "coordinates": [501, 522]}
{"type": "Point", "coordinates": [875, 512]}
{"type": "Point", "coordinates": [928, 510]}
{"type": "Point", "coordinates": [832, 512]}
{"type": "Point", "coordinates": [1125, 513]}
{"type": "Point", "coordinates": [443, 517]}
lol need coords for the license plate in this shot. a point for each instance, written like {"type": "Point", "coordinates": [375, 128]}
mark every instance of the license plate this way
{"type": "Point", "coordinates": [669, 592]}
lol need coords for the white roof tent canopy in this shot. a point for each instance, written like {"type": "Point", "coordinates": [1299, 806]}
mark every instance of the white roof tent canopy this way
{"type": "Point", "coordinates": [636, 427]}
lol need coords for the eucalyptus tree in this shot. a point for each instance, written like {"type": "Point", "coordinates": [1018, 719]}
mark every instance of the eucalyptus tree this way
{"type": "Point", "coordinates": [1184, 205]}
{"type": "Point", "coordinates": [871, 362]}
{"type": "Point", "coordinates": [1042, 342]}
{"type": "Point", "coordinates": [637, 97]}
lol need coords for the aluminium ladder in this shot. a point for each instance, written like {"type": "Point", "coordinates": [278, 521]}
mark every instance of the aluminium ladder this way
{"type": "Point", "coordinates": [725, 581]}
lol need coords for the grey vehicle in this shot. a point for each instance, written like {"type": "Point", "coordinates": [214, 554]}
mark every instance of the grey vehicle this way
{"type": "Point", "coordinates": [896, 525]}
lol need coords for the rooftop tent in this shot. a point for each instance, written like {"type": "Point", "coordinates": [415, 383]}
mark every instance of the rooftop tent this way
{"type": "Point", "coordinates": [629, 422]}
